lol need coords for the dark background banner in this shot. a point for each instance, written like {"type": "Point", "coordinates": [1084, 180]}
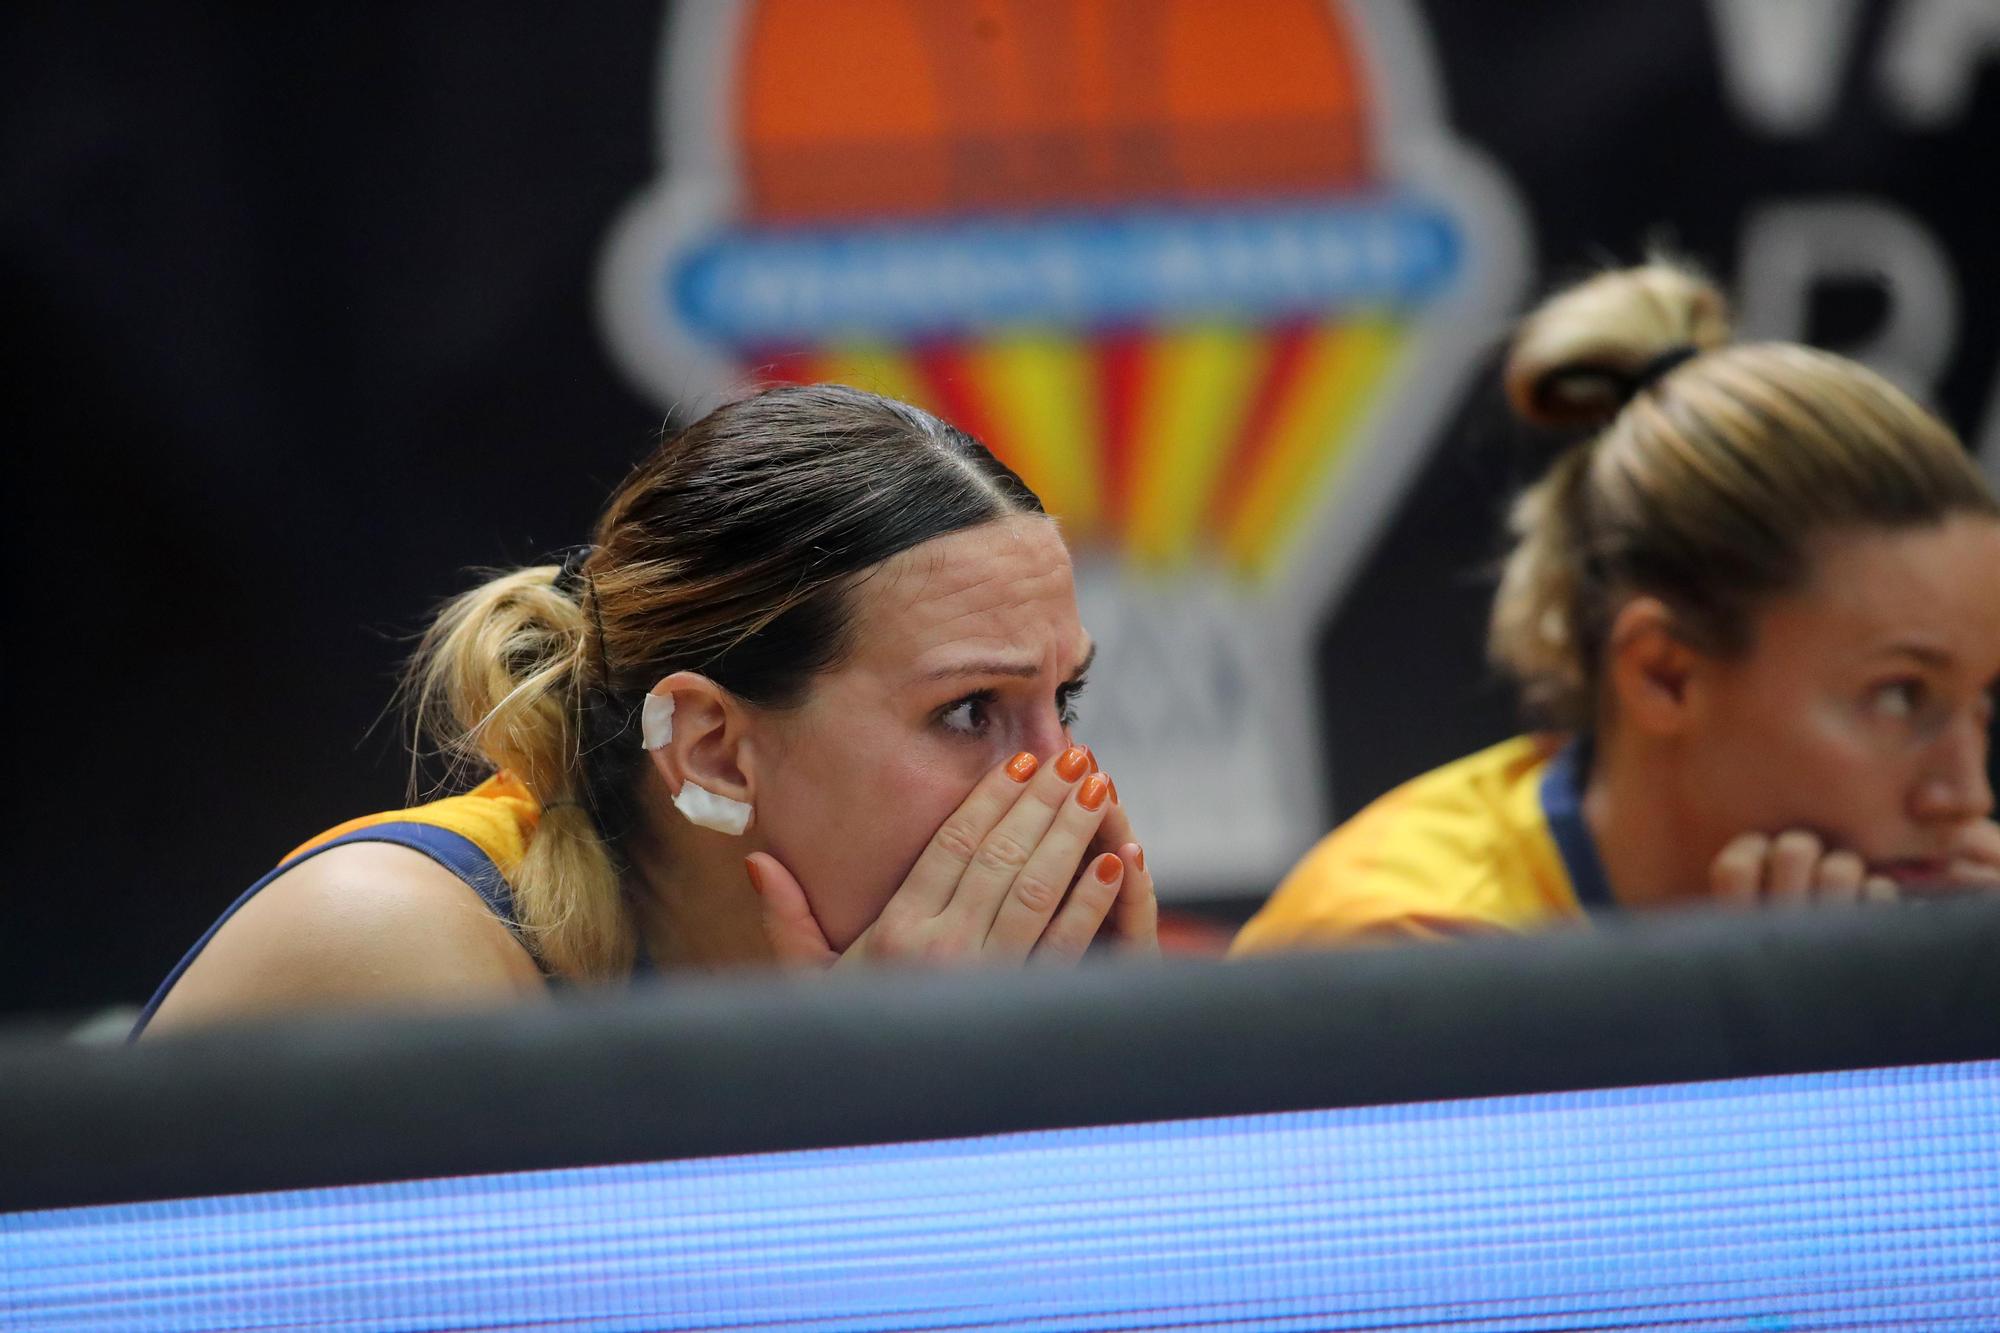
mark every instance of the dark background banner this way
{"type": "Point", "coordinates": [303, 325]}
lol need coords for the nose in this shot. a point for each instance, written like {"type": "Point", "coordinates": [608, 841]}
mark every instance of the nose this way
{"type": "Point", "coordinates": [1955, 788]}
{"type": "Point", "coordinates": [1046, 736]}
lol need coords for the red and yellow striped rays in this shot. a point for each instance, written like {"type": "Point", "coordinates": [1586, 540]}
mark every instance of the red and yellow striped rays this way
{"type": "Point", "coordinates": [1142, 248]}
{"type": "Point", "coordinates": [1199, 443]}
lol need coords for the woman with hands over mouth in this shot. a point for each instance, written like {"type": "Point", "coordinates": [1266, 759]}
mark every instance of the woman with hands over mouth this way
{"type": "Point", "coordinates": [1757, 602]}
{"type": "Point", "coordinates": [806, 700]}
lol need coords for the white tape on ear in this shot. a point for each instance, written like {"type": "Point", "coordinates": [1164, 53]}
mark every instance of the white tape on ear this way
{"type": "Point", "coordinates": [656, 720]}
{"type": "Point", "coordinates": [704, 808]}
{"type": "Point", "coordinates": [699, 805]}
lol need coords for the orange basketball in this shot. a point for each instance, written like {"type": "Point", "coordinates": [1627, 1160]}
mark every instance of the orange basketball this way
{"type": "Point", "coordinates": [874, 108]}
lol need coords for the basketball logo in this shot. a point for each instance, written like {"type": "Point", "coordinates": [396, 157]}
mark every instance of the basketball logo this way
{"type": "Point", "coordinates": [1204, 272]}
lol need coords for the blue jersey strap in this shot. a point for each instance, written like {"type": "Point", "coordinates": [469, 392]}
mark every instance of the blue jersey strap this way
{"type": "Point", "coordinates": [1562, 806]}
{"type": "Point", "coordinates": [455, 852]}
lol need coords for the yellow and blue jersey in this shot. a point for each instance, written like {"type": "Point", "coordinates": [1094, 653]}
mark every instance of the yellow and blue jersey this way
{"type": "Point", "coordinates": [1491, 842]}
{"type": "Point", "coordinates": [480, 836]}
{"type": "Point", "coordinates": [497, 817]}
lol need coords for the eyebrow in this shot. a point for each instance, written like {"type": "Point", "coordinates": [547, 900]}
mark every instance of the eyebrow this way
{"type": "Point", "coordinates": [1930, 655]}
{"type": "Point", "coordinates": [1018, 670]}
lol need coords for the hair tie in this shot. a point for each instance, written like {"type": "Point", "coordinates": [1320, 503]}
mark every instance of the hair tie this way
{"type": "Point", "coordinates": [569, 579]}
{"type": "Point", "coordinates": [573, 582]}
{"type": "Point", "coordinates": [1657, 369]}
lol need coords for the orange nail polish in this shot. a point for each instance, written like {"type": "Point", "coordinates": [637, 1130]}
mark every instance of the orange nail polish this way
{"type": "Point", "coordinates": [1140, 857]}
{"type": "Point", "coordinates": [1022, 766]}
{"type": "Point", "coordinates": [1114, 788]}
{"type": "Point", "coordinates": [756, 875]}
{"type": "Point", "coordinates": [1091, 755]}
{"type": "Point", "coordinates": [1071, 764]}
{"type": "Point", "coordinates": [1093, 791]}
{"type": "Point", "coordinates": [1107, 869]}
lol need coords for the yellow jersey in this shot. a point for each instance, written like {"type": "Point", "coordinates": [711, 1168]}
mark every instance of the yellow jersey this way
{"type": "Point", "coordinates": [498, 817]}
{"type": "Point", "coordinates": [1491, 842]}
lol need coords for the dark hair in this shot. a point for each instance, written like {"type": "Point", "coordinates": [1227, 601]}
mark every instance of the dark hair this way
{"type": "Point", "coordinates": [730, 550]}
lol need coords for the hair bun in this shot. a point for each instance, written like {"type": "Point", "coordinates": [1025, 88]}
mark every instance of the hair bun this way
{"type": "Point", "coordinates": [1580, 356]}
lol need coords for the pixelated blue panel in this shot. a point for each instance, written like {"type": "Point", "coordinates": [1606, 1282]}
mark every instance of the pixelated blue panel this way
{"type": "Point", "coordinates": [1845, 1200]}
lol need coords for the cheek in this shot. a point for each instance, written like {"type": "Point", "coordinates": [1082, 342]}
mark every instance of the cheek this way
{"type": "Point", "coordinates": [925, 795]}
{"type": "Point", "coordinates": [852, 824]}
{"type": "Point", "coordinates": [1782, 760]}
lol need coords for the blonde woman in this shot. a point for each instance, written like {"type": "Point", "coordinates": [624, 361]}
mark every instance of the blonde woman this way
{"type": "Point", "coordinates": [1758, 606]}
{"type": "Point", "coordinates": [806, 700]}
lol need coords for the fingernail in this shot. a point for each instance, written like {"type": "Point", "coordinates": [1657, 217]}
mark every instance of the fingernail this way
{"type": "Point", "coordinates": [1071, 764]}
{"type": "Point", "coordinates": [1140, 857]}
{"type": "Point", "coordinates": [1107, 869]}
{"type": "Point", "coordinates": [1022, 766]}
{"type": "Point", "coordinates": [1093, 791]}
{"type": "Point", "coordinates": [1114, 788]}
{"type": "Point", "coordinates": [756, 875]}
{"type": "Point", "coordinates": [1091, 755]}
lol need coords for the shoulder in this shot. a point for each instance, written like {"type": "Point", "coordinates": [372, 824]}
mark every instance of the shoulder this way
{"type": "Point", "coordinates": [364, 923]}
{"type": "Point", "coordinates": [1455, 851]}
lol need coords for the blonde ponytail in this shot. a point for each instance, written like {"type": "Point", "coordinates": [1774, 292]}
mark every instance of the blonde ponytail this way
{"type": "Point", "coordinates": [1535, 633]}
{"type": "Point", "coordinates": [495, 685]}
{"type": "Point", "coordinates": [1709, 471]}
{"type": "Point", "coordinates": [1574, 360]}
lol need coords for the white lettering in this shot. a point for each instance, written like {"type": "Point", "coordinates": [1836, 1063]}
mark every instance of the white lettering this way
{"type": "Point", "coordinates": [1790, 248]}
{"type": "Point", "coordinates": [1781, 59]}
{"type": "Point", "coordinates": [1932, 52]}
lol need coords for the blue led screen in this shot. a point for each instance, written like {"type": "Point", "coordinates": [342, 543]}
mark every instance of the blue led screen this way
{"type": "Point", "coordinates": [1840, 1200]}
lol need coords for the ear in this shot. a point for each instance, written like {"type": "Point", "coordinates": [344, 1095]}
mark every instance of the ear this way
{"type": "Point", "coordinates": [1650, 669]}
{"type": "Point", "coordinates": [707, 745]}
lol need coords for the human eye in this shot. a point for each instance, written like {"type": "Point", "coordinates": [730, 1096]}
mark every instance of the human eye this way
{"type": "Point", "coordinates": [1898, 699]}
{"type": "Point", "coordinates": [970, 716]}
{"type": "Point", "coordinates": [1067, 695]}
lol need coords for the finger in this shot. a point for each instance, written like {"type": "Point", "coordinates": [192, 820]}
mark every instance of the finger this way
{"type": "Point", "coordinates": [1979, 843]}
{"type": "Point", "coordinates": [1879, 889]}
{"type": "Point", "coordinates": [1029, 903]}
{"type": "Point", "coordinates": [1975, 855]}
{"type": "Point", "coordinates": [1135, 918]}
{"type": "Point", "coordinates": [1084, 908]}
{"type": "Point", "coordinates": [1116, 830]}
{"type": "Point", "coordinates": [934, 879]}
{"type": "Point", "coordinates": [1788, 874]}
{"type": "Point", "coordinates": [1838, 878]}
{"type": "Point", "coordinates": [789, 924]}
{"type": "Point", "coordinates": [1968, 873]}
{"type": "Point", "coordinates": [997, 866]}
{"type": "Point", "coordinates": [1738, 869]}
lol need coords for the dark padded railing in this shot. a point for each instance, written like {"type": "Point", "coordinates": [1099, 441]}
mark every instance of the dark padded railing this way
{"type": "Point", "coordinates": [703, 1067]}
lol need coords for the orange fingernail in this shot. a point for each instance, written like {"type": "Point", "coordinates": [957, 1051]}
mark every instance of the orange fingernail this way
{"type": "Point", "coordinates": [1022, 766]}
{"type": "Point", "coordinates": [1093, 791]}
{"type": "Point", "coordinates": [756, 875]}
{"type": "Point", "coordinates": [1091, 755]}
{"type": "Point", "coordinates": [1107, 869]}
{"type": "Point", "coordinates": [1140, 856]}
{"type": "Point", "coordinates": [1070, 766]}
{"type": "Point", "coordinates": [1114, 788]}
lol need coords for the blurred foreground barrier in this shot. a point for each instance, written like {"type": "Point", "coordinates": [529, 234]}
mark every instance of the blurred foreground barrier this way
{"type": "Point", "coordinates": [707, 1067]}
